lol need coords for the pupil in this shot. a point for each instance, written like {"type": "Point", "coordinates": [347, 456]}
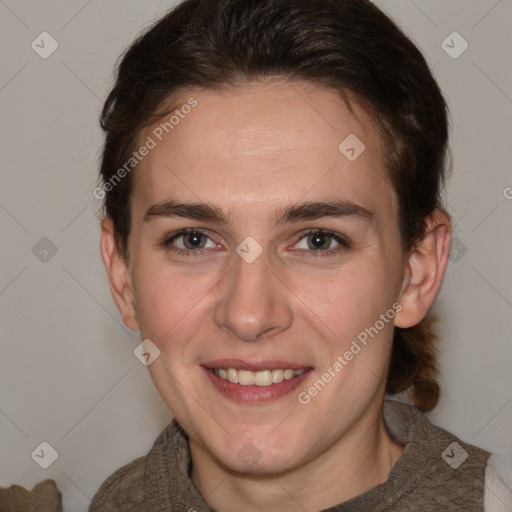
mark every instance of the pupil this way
{"type": "Point", "coordinates": [194, 240]}
{"type": "Point", "coordinates": [318, 240]}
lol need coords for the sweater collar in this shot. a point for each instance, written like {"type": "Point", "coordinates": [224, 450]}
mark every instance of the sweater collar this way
{"type": "Point", "coordinates": [169, 488]}
{"type": "Point", "coordinates": [167, 474]}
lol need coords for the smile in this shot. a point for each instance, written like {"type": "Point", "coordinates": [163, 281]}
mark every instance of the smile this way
{"type": "Point", "coordinates": [258, 378]}
{"type": "Point", "coordinates": [255, 382]}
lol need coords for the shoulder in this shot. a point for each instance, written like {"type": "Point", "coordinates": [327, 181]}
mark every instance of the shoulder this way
{"type": "Point", "coordinates": [126, 489]}
{"type": "Point", "coordinates": [123, 490]}
{"type": "Point", "coordinates": [498, 483]}
{"type": "Point", "coordinates": [147, 479]}
{"type": "Point", "coordinates": [446, 470]}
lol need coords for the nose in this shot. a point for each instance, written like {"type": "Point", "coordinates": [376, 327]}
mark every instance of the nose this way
{"type": "Point", "coordinates": [254, 303]}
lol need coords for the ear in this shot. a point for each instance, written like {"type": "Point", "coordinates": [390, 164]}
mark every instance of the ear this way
{"type": "Point", "coordinates": [119, 276]}
{"type": "Point", "coordinates": [424, 271]}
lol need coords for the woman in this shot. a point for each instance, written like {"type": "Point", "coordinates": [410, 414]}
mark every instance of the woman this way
{"type": "Point", "coordinates": [272, 175]}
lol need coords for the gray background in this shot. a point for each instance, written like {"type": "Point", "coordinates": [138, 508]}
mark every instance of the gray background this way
{"type": "Point", "coordinates": [68, 375]}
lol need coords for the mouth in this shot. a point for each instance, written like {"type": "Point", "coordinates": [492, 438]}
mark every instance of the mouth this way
{"type": "Point", "coordinates": [259, 378]}
{"type": "Point", "coordinates": [254, 383]}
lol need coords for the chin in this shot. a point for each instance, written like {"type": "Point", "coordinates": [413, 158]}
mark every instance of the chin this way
{"type": "Point", "coordinates": [258, 455]}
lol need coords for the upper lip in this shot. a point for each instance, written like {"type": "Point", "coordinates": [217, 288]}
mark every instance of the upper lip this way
{"type": "Point", "coordinates": [255, 366]}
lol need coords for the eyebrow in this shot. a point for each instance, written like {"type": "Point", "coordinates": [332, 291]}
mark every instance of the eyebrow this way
{"type": "Point", "coordinates": [293, 213]}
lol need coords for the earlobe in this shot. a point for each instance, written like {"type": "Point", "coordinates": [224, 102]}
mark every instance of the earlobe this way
{"type": "Point", "coordinates": [118, 272]}
{"type": "Point", "coordinates": [425, 267]}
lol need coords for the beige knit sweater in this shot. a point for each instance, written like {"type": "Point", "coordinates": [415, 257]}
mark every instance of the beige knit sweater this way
{"type": "Point", "coordinates": [436, 472]}
{"type": "Point", "coordinates": [428, 476]}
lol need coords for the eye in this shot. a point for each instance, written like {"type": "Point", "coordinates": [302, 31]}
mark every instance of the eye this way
{"type": "Point", "coordinates": [322, 241]}
{"type": "Point", "coordinates": [314, 242]}
{"type": "Point", "coordinates": [188, 241]}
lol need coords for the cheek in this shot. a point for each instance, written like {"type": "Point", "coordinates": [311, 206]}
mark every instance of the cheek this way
{"type": "Point", "coordinates": [170, 304]}
{"type": "Point", "coordinates": [348, 301]}
{"type": "Point", "coordinates": [354, 342]}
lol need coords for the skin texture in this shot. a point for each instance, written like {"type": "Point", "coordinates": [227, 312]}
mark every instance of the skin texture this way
{"type": "Point", "coordinates": [251, 151]}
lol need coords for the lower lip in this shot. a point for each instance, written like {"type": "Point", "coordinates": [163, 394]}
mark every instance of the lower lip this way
{"type": "Point", "coordinates": [255, 394]}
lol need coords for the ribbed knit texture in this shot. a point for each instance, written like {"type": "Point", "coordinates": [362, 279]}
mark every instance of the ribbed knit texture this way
{"type": "Point", "coordinates": [421, 480]}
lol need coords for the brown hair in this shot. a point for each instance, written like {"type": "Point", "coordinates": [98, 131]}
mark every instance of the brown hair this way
{"type": "Point", "coordinates": [346, 45]}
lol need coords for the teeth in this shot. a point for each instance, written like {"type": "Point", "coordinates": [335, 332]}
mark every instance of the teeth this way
{"type": "Point", "coordinates": [277, 376]}
{"type": "Point", "coordinates": [245, 378]}
{"type": "Point", "coordinates": [232, 375]}
{"type": "Point", "coordinates": [261, 378]}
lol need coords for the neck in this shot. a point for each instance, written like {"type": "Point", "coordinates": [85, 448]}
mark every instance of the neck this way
{"type": "Point", "coordinates": [360, 460]}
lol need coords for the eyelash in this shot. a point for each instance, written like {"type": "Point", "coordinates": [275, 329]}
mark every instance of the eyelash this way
{"type": "Point", "coordinates": [342, 240]}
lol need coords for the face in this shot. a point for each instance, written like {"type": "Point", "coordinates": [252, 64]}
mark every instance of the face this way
{"type": "Point", "coordinates": [291, 255]}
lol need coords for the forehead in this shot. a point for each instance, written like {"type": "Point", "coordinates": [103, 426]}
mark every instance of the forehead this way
{"type": "Point", "coordinates": [262, 143]}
